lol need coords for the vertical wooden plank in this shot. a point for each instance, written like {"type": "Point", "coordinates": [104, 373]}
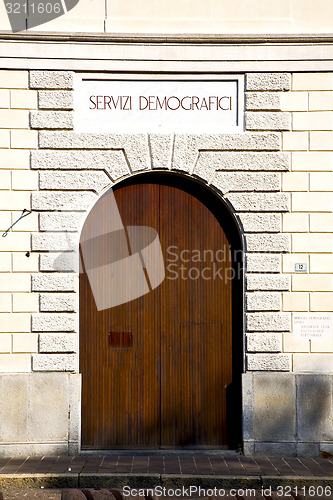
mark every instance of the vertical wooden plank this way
{"type": "Point", "coordinates": [197, 303]}
{"type": "Point", "coordinates": [174, 310]}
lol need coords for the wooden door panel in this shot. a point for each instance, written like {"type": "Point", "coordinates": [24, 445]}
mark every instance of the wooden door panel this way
{"type": "Point", "coordinates": [201, 299]}
{"type": "Point", "coordinates": [160, 378]}
{"type": "Point", "coordinates": [121, 387]}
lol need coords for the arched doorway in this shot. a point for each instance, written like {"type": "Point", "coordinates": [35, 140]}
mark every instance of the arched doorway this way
{"type": "Point", "coordinates": [161, 370]}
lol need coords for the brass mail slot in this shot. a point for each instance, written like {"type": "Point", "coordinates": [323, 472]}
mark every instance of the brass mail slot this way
{"type": "Point", "coordinates": [121, 339]}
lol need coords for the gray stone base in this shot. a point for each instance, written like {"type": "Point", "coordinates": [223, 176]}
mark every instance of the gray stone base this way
{"type": "Point", "coordinates": [283, 414]}
{"type": "Point", "coordinates": [39, 414]}
{"type": "Point", "coordinates": [287, 414]}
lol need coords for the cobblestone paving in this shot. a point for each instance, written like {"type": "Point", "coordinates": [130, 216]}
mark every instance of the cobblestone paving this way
{"type": "Point", "coordinates": [186, 464]}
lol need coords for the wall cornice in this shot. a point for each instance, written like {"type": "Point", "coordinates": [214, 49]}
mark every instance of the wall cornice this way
{"type": "Point", "coordinates": [156, 38]}
{"type": "Point", "coordinates": [168, 54]}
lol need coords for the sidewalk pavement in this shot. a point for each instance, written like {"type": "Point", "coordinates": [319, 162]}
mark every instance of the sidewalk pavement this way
{"type": "Point", "coordinates": [169, 469]}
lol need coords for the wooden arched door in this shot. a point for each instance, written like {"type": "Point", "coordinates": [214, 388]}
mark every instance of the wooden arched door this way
{"type": "Point", "coordinates": [156, 370]}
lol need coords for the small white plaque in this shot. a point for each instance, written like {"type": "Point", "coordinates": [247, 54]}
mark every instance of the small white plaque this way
{"type": "Point", "coordinates": [301, 267]}
{"type": "Point", "coordinates": [159, 106]}
{"type": "Point", "coordinates": [312, 326]}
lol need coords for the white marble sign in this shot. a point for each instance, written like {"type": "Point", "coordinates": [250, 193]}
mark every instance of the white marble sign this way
{"type": "Point", "coordinates": [313, 326]}
{"type": "Point", "coordinates": [158, 106]}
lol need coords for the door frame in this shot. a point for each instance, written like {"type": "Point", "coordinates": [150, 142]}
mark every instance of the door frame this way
{"type": "Point", "coordinates": [233, 231]}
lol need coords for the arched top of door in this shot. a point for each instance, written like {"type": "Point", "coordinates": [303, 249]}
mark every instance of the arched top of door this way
{"type": "Point", "coordinates": [207, 194]}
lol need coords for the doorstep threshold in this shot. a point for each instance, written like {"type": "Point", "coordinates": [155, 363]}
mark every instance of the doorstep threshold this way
{"type": "Point", "coordinates": [161, 452]}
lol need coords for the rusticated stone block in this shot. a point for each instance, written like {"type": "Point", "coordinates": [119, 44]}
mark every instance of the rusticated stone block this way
{"type": "Point", "coordinates": [267, 321]}
{"type": "Point", "coordinates": [50, 99]}
{"type": "Point", "coordinates": [112, 162]}
{"type": "Point", "coordinates": [268, 81]}
{"type": "Point", "coordinates": [53, 322]}
{"type": "Point", "coordinates": [61, 302]}
{"type": "Point", "coordinates": [264, 342]}
{"type": "Point", "coordinates": [135, 145]}
{"type": "Point", "coordinates": [247, 161]}
{"type": "Point", "coordinates": [64, 262]}
{"type": "Point", "coordinates": [51, 79]}
{"type": "Point", "coordinates": [268, 362]}
{"type": "Point", "coordinates": [263, 263]}
{"type": "Point", "coordinates": [187, 146]}
{"type": "Point", "coordinates": [53, 362]}
{"type": "Point", "coordinates": [51, 120]}
{"type": "Point", "coordinates": [95, 181]}
{"type": "Point", "coordinates": [247, 181]}
{"type": "Point", "coordinates": [267, 120]}
{"type": "Point", "coordinates": [54, 242]}
{"type": "Point", "coordinates": [160, 146]}
{"type": "Point", "coordinates": [267, 282]}
{"type": "Point", "coordinates": [259, 202]}
{"type": "Point", "coordinates": [263, 301]}
{"type": "Point", "coordinates": [53, 282]}
{"type": "Point", "coordinates": [260, 222]}
{"type": "Point", "coordinates": [267, 243]}
{"type": "Point", "coordinates": [60, 221]}
{"type": "Point", "coordinates": [49, 200]}
{"type": "Point", "coordinates": [57, 342]}
{"type": "Point", "coordinates": [263, 101]}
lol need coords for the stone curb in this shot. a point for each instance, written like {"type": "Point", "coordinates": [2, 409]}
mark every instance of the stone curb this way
{"type": "Point", "coordinates": [299, 481]}
{"type": "Point", "coordinates": [209, 481]}
{"type": "Point", "coordinates": [39, 480]}
{"type": "Point", "coordinates": [89, 480]}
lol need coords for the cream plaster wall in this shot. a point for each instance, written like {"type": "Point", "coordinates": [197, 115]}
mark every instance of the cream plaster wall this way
{"type": "Point", "coordinates": [16, 184]}
{"type": "Point", "coordinates": [310, 221]}
{"type": "Point", "coordinates": [195, 16]}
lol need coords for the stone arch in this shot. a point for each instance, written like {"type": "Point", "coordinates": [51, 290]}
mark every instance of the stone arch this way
{"type": "Point", "coordinates": [213, 201]}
